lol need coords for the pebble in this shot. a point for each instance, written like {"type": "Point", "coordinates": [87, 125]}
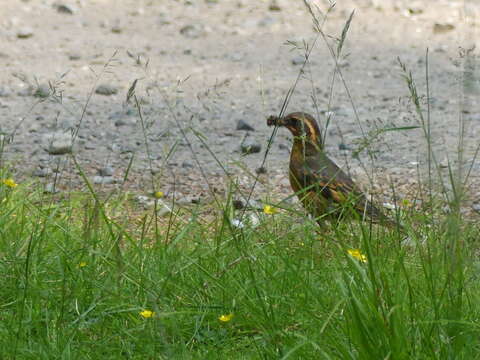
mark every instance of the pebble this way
{"type": "Point", "coordinates": [106, 171]}
{"type": "Point", "coordinates": [441, 28]}
{"type": "Point", "coordinates": [65, 9]}
{"type": "Point", "coordinates": [261, 170]}
{"type": "Point", "coordinates": [59, 143]}
{"type": "Point", "coordinates": [298, 60]}
{"type": "Point", "coordinates": [250, 147]}
{"type": "Point", "coordinates": [74, 56]}
{"type": "Point", "coordinates": [243, 125]}
{"type": "Point", "coordinates": [50, 188]}
{"type": "Point", "coordinates": [42, 172]}
{"type": "Point", "coordinates": [42, 91]}
{"type": "Point", "coordinates": [103, 180]}
{"type": "Point", "coordinates": [25, 33]}
{"type": "Point", "coordinates": [476, 207]}
{"type": "Point", "coordinates": [116, 29]}
{"type": "Point", "coordinates": [192, 31]}
{"type": "Point", "coordinates": [122, 119]}
{"type": "Point", "coordinates": [106, 89]}
{"type": "Point", "coordinates": [187, 164]}
{"type": "Point", "coordinates": [4, 91]}
{"type": "Point", "coordinates": [274, 6]}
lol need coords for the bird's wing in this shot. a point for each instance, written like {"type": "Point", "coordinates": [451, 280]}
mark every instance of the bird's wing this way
{"type": "Point", "coordinates": [325, 176]}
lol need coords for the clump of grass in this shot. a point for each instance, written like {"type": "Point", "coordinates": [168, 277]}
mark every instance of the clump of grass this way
{"type": "Point", "coordinates": [98, 284]}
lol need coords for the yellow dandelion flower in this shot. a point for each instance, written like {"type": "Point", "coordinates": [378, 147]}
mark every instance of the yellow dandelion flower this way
{"type": "Point", "coordinates": [269, 210]}
{"type": "Point", "coordinates": [159, 194]}
{"type": "Point", "coordinates": [10, 183]}
{"type": "Point", "coordinates": [147, 314]}
{"type": "Point", "coordinates": [82, 264]}
{"type": "Point", "coordinates": [357, 255]}
{"type": "Point", "coordinates": [225, 317]}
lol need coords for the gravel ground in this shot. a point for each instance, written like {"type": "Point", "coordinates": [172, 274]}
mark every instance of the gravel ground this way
{"type": "Point", "coordinates": [217, 69]}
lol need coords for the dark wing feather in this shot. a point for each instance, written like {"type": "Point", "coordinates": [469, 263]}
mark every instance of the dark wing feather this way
{"type": "Point", "coordinates": [323, 175]}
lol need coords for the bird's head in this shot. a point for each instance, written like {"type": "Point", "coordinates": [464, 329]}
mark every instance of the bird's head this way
{"type": "Point", "coordinates": [300, 124]}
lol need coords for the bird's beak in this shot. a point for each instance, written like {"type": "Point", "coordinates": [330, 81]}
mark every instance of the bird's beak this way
{"type": "Point", "coordinates": [275, 121]}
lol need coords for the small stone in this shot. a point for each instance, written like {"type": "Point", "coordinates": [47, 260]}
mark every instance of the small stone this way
{"type": "Point", "coordinates": [74, 56]}
{"type": "Point", "coordinates": [59, 143]}
{"type": "Point", "coordinates": [106, 89]}
{"type": "Point", "coordinates": [42, 91]}
{"type": "Point", "coordinates": [243, 125]}
{"type": "Point", "coordinates": [106, 171]}
{"type": "Point", "coordinates": [238, 204]}
{"type": "Point", "coordinates": [4, 91]}
{"type": "Point", "coordinates": [42, 172]}
{"type": "Point", "coordinates": [187, 164]}
{"type": "Point", "coordinates": [116, 29]}
{"type": "Point", "coordinates": [261, 170]}
{"type": "Point", "coordinates": [476, 207]}
{"type": "Point", "coordinates": [192, 31]}
{"type": "Point", "coordinates": [25, 33]}
{"type": "Point", "coordinates": [103, 180]}
{"type": "Point", "coordinates": [274, 6]}
{"type": "Point", "coordinates": [145, 201]}
{"type": "Point", "coordinates": [50, 188]}
{"type": "Point", "coordinates": [65, 9]}
{"type": "Point", "coordinates": [250, 147]}
{"type": "Point", "coordinates": [298, 60]}
{"type": "Point", "coordinates": [439, 28]}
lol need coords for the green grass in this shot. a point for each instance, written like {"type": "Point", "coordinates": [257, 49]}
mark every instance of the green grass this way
{"type": "Point", "coordinates": [294, 291]}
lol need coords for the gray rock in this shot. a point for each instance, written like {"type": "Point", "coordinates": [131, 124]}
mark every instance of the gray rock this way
{"type": "Point", "coordinates": [42, 172]}
{"type": "Point", "coordinates": [50, 188]}
{"type": "Point", "coordinates": [74, 56]}
{"type": "Point", "coordinates": [25, 33]}
{"type": "Point", "coordinates": [476, 207]}
{"type": "Point", "coordinates": [59, 143]}
{"type": "Point", "coordinates": [103, 180]}
{"type": "Point", "coordinates": [4, 91]}
{"type": "Point", "coordinates": [243, 125]}
{"type": "Point", "coordinates": [298, 60]}
{"type": "Point", "coordinates": [106, 171]}
{"type": "Point", "coordinates": [116, 29]}
{"type": "Point", "coordinates": [124, 120]}
{"type": "Point", "coordinates": [274, 6]}
{"type": "Point", "coordinates": [65, 9]}
{"type": "Point", "coordinates": [193, 31]}
{"type": "Point", "coordinates": [261, 170]}
{"type": "Point", "coordinates": [441, 28]}
{"type": "Point", "coordinates": [42, 91]}
{"type": "Point", "coordinates": [250, 147]}
{"type": "Point", "coordinates": [106, 89]}
{"type": "Point", "coordinates": [187, 164]}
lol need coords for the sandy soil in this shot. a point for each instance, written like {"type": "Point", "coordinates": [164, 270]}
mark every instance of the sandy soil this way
{"type": "Point", "coordinates": [204, 65]}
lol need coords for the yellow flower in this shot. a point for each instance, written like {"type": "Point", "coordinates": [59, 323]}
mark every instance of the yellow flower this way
{"type": "Point", "coordinates": [82, 264]}
{"type": "Point", "coordinates": [406, 203]}
{"type": "Point", "coordinates": [147, 314]}
{"type": "Point", "coordinates": [225, 317]}
{"type": "Point", "coordinates": [159, 194]}
{"type": "Point", "coordinates": [269, 210]}
{"type": "Point", "coordinates": [10, 183]}
{"type": "Point", "coordinates": [357, 255]}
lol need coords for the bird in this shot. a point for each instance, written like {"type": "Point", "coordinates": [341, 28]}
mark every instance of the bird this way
{"type": "Point", "coordinates": [323, 188]}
